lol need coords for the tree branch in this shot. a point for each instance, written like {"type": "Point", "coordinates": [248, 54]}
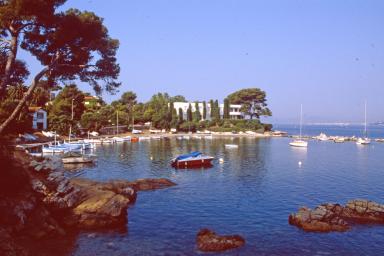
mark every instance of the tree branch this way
{"type": "Point", "coordinates": [25, 98]}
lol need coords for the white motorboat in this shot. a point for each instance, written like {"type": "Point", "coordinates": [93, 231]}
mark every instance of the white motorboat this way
{"type": "Point", "coordinates": [322, 137]}
{"type": "Point", "coordinates": [118, 139]}
{"type": "Point", "coordinates": [231, 146]}
{"type": "Point", "coordinates": [55, 150]}
{"type": "Point", "coordinates": [106, 141]}
{"type": "Point", "coordinates": [339, 139]}
{"type": "Point", "coordinates": [299, 142]}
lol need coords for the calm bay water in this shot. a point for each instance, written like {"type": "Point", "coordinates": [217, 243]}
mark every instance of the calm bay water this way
{"type": "Point", "coordinates": [251, 194]}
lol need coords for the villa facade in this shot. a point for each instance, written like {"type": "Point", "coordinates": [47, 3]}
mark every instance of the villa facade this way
{"type": "Point", "coordinates": [234, 109]}
{"type": "Point", "coordinates": [39, 118]}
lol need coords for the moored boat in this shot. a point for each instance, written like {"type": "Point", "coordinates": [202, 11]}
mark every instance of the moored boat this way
{"type": "Point", "coordinates": [339, 139]}
{"type": "Point", "coordinates": [363, 141]}
{"type": "Point", "coordinates": [76, 158]}
{"type": "Point", "coordinates": [322, 137]}
{"type": "Point", "coordinates": [231, 146]}
{"type": "Point", "coordinates": [194, 159]}
{"type": "Point", "coordinates": [298, 143]}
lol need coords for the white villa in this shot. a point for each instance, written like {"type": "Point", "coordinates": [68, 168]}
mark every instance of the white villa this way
{"type": "Point", "coordinates": [39, 118]}
{"type": "Point", "coordinates": [234, 110]}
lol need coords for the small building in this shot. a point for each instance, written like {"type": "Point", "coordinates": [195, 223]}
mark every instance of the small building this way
{"type": "Point", "coordinates": [39, 118]}
{"type": "Point", "coordinates": [92, 101]}
{"type": "Point", "coordinates": [234, 109]}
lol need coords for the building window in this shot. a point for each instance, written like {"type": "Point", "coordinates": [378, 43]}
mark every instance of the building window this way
{"type": "Point", "coordinates": [40, 115]}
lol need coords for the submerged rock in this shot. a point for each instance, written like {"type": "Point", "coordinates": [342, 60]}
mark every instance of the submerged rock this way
{"type": "Point", "coordinates": [335, 217]}
{"type": "Point", "coordinates": [207, 240]}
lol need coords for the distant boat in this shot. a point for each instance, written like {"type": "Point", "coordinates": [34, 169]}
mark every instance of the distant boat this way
{"type": "Point", "coordinates": [194, 159]}
{"type": "Point", "coordinates": [365, 140]}
{"type": "Point", "coordinates": [339, 139]}
{"type": "Point", "coordinates": [299, 142]}
{"type": "Point", "coordinates": [322, 137]}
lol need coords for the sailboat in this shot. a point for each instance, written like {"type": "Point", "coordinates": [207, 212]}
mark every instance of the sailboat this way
{"type": "Point", "coordinates": [365, 140]}
{"type": "Point", "coordinates": [299, 142]}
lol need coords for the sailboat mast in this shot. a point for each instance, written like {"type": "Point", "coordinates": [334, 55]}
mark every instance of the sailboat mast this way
{"type": "Point", "coordinates": [117, 122]}
{"type": "Point", "coordinates": [301, 117]}
{"type": "Point", "coordinates": [70, 126]}
{"type": "Point", "coordinates": [365, 119]}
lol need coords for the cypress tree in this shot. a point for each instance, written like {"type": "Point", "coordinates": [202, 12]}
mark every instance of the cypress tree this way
{"type": "Point", "coordinates": [189, 113]}
{"type": "Point", "coordinates": [226, 109]}
{"type": "Point", "coordinates": [204, 110]}
{"type": "Point", "coordinates": [197, 115]}
{"type": "Point", "coordinates": [212, 111]}
{"type": "Point", "coordinates": [181, 117]}
{"type": "Point", "coordinates": [217, 110]}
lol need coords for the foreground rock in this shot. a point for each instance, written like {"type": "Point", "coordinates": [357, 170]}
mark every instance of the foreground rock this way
{"type": "Point", "coordinates": [335, 217]}
{"type": "Point", "coordinates": [104, 204]}
{"type": "Point", "coordinates": [209, 241]}
{"type": "Point", "coordinates": [38, 202]}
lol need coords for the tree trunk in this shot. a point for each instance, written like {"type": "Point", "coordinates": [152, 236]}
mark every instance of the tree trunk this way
{"type": "Point", "coordinates": [9, 65]}
{"type": "Point", "coordinates": [21, 103]}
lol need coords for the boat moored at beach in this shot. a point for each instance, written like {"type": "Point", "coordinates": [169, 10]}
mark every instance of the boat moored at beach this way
{"type": "Point", "coordinates": [193, 159]}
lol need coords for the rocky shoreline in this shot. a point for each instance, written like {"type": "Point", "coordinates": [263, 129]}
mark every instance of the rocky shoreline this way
{"type": "Point", "coordinates": [38, 201]}
{"type": "Point", "coordinates": [335, 217]}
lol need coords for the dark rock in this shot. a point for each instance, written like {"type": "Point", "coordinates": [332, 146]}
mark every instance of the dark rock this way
{"type": "Point", "coordinates": [322, 219]}
{"type": "Point", "coordinates": [209, 241]}
{"type": "Point", "coordinates": [334, 217]}
{"type": "Point", "coordinates": [364, 211]}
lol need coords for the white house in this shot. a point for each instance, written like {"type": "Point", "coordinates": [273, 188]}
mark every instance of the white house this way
{"type": "Point", "coordinates": [234, 110]}
{"type": "Point", "coordinates": [39, 118]}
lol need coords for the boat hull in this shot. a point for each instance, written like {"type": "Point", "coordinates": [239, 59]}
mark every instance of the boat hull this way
{"type": "Point", "coordinates": [301, 144]}
{"type": "Point", "coordinates": [192, 163]}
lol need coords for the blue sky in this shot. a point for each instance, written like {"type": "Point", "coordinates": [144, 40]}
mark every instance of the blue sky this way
{"type": "Point", "coordinates": [327, 55]}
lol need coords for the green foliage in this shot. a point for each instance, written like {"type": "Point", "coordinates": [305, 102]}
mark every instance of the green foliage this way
{"type": "Point", "coordinates": [197, 114]}
{"type": "Point", "coordinates": [226, 109]}
{"type": "Point", "coordinates": [19, 73]}
{"type": "Point", "coordinates": [60, 112]}
{"type": "Point", "coordinates": [178, 98]}
{"type": "Point", "coordinates": [188, 127]}
{"type": "Point", "coordinates": [253, 101]}
{"type": "Point", "coordinates": [189, 113]}
{"type": "Point", "coordinates": [181, 116]}
{"type": "Point", "coordinates": [21, 124]}
{"type": "Point", "coordinates": [204, 110]}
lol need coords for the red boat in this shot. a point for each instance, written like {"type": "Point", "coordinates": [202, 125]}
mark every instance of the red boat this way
{"type": "Point", "coordinates": [194, 159]}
